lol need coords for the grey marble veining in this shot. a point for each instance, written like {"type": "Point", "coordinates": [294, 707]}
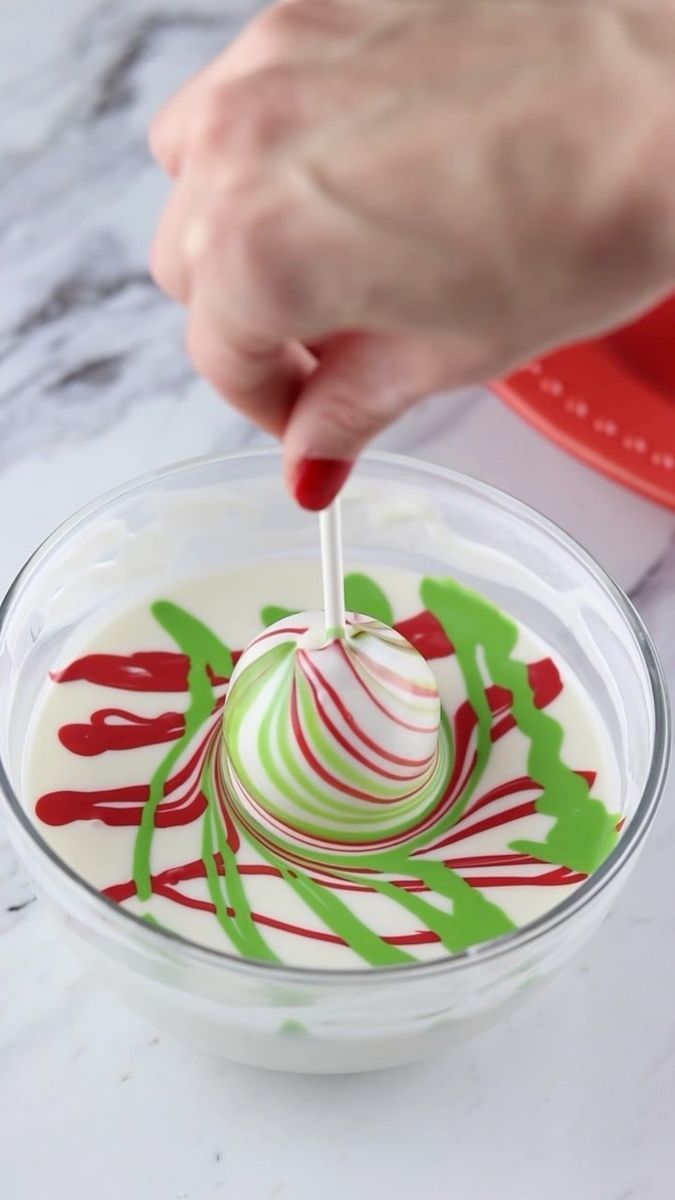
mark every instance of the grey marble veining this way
{"type": "Point", "coordinates": [78, 198]}
{"type": "Point", "coordinates": [571, 1098]}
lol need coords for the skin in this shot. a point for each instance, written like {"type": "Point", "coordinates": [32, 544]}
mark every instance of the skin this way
{"type": "Point", "coordinates": [376, 199]}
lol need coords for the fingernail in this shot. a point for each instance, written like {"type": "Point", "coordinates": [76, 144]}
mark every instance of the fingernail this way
{"type": "Point", "coordinates": [318, 481]}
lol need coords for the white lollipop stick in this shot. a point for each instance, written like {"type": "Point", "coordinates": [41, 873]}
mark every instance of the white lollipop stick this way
{"type": "Point", "coordinates": [332, 572]}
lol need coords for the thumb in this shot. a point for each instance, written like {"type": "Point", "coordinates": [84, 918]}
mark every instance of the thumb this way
{"type": "Point", "coordinates": [362, 383]}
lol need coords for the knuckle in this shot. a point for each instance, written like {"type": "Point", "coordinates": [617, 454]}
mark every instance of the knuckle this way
{"type": "Point", "coordinates": [246, 114]}
{"type": "Point", "coordinates": [282, 21]}
{"type": "Point", "coordinates": [261, 257]}
{"type": "Point", "coordinates": [286, 24]}
{"type": "Point", "coordinates": [204, 353]}
{"type": "Point", "coordinates": [267, 265]}
{"type": "Point", "coordinates": [269, 109]}
{"type": "Point", "coordinates": [218, 122]}
{"type": "Point", "coordinates": [332, 18]}
{"type": "Point", "coordinates": [209, 127]}
{"type": "Point", "coordinates": [247, 244]}
{"type": "Point", "coordinates": [166, 270]}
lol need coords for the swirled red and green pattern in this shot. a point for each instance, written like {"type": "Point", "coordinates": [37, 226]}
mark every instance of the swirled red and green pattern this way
{"type": "Point", "coordinates": [413, 865]}
{"type": "Point", "coordinates": [335, 742]}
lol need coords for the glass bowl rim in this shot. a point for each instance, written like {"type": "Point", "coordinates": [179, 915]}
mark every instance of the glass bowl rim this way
{"type": "Point", "coordinates": [158, 937]}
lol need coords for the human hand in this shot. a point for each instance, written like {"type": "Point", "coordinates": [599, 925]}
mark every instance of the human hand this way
{"type": "Point", "coordinates": [375, 199]}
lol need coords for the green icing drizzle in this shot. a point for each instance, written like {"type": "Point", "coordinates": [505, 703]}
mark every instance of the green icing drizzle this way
{"type": "Point", "coordinates": [363, 595]}
{"type": "Point", "coordinates": [203, 649]}
{"type": "Point", "coordinates": [341, 920]}
{"type": "Point", "coordinates": [581, 835]}
{"type": "Point", "coordinates": [293, 1028]}
{"type": "Point", "coordinates": [227, 891]}
{"type": "Point", "coordinates": [271, 613]}
{"type": "Point", "coordinates": [584, 831]}
{"type": "Point", "coordinates": [473, 918]}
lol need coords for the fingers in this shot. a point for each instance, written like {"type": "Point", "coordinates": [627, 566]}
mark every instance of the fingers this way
{"type": "Point", "coordinates": [170, 128]}
{"type": "Point", "coordinates": [229, 261]}
{"type": "Point", "coordinates": [172, 252]}
{"type": "Point", "coordinates": [362, 383]}
{"type": "Point", "coordinates": [238, 199]}
{"type": "Point", "coordinates": [287, 32]}
{"type": "Point", "coordinates": [173, 125]}
{"type": "Point", "coordinates": [260, 378]}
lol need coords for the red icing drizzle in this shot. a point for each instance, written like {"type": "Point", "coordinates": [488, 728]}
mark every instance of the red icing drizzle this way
{"type": "Point", "coordinates": [114, 730]}
{"type": "Point", "coordinates": [146, 671]}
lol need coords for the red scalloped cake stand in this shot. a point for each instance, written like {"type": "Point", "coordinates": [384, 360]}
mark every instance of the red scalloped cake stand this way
{"type": "Point", "coordinates": [611, 402]}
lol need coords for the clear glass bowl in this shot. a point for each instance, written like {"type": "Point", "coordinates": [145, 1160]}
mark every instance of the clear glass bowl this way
{"type": "Point", "coordinates": [210, 513]}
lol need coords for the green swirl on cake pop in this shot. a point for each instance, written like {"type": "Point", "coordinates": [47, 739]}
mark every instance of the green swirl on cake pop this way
{"type": "Point", "coordinates": [337, 740]}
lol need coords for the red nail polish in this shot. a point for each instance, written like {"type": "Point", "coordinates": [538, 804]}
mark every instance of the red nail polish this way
{"type": "Point", "coordinates": [318, 481]}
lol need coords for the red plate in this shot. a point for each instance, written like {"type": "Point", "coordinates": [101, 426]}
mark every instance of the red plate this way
{"type": "Point", "coordinates": [611, 402]}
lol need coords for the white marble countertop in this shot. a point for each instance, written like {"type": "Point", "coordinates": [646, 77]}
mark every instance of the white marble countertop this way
{"type": "Point", "coordinates": [573, 1096]}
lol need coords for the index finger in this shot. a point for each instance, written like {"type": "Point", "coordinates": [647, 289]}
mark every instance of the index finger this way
{"type": "Point", "coordinates": [260, 377]}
